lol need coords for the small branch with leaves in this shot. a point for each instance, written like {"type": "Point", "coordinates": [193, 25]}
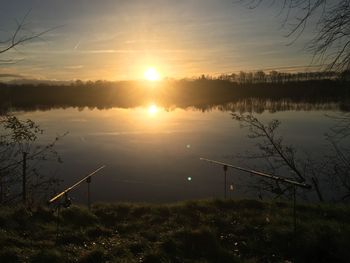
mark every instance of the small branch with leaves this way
{"type": "Point", "coordinates": [20, 152]}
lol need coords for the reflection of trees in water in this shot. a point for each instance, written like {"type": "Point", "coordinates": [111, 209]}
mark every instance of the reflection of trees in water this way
{"type": "Point", "coordinates": [251, 105]}
{"type": "Point", "coordinates": [254, 105]}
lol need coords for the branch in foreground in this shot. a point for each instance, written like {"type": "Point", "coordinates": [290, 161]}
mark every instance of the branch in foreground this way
{"type": "Point", "coordinates": [21, 35]}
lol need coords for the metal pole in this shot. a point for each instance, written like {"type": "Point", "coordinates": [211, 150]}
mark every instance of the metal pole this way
{"type": "Point", "coordinates": [88, 180]}
{"type": "Point", "coordinates": [225, 181]}
{"type": "Point", "coordinates": [294, 211]}
{"type": "Point", "coordinates": [58, 221]}
{"type": "Point", "coordinates": [294, 221]}
{"type": "Point", "coordinates": [1, 189]}
{"type": "Point", "coordinates": [24, 178]}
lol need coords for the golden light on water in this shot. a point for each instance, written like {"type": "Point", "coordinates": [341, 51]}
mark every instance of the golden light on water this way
{"type": "Point", "coordinates": [151, 74]}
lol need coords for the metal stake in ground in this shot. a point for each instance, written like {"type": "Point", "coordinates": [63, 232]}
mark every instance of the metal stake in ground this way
{"type": "Point", "coordinates": [24, 178]}
{"type": "Point", "coordinates": [294, 210]}
{"type": "Point", "coordinates": [225, 181]}
{"type": "Point", "coordinates": [88, 181]}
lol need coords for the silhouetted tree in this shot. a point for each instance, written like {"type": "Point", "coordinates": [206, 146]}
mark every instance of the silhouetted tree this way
{"type": "Point", "coordinates": [338, 167]}
{"type": "Point", "coordinates": [331, 44]}
{"type": "Point", "coordinates": [249, 77]}
{"type": "Point", "coordinates": [345, 75]}
{"type": "Point", "coordinates": [323, 172]}
{"type": "Point", "coordinates": [274, 76]}
{"type": "Point", "coordinates": [260, 76]}
{"type": "Point", "coordinates": [242, 77]}
{"type": "Point", "coordinates": [20, 154]}
{"type": "Point", "coordinates": [280, 158]}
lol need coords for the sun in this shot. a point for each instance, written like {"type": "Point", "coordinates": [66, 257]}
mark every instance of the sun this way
{"type": "Point", "coordinates": [151, 74]}
{"type": "Point", "coordinates": [152, 110]}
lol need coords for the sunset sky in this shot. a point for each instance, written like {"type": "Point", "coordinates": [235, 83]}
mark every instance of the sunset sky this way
{"type": "Point", "coordinates": [119, 40]}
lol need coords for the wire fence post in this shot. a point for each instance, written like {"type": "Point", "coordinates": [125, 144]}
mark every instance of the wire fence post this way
{"type": "Point", "coordinates": [24, 178]}
{"type": "Point", "coordinates": [225, 181]}
{"type": "Point", "coordinates": [1, 189]}
{"type": "Point", "coordinates": [294, 211]}
{"type": "Point", "coordinates": [88, 180]}
{"type": "Point", "coordinates": [58, 222]}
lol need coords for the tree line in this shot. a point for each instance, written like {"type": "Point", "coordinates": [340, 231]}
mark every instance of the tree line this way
{"type": "Point", "coordinates": [280, 77]}
{"type": "Point", "coordinates": [183, 93]}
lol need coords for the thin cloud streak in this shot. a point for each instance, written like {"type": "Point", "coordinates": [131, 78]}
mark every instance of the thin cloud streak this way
{"type": "Point", "coordinates": [11, 75]}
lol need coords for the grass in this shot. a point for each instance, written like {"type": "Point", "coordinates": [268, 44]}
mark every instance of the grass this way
{"type": "Point", "coordinates": [193, 231]}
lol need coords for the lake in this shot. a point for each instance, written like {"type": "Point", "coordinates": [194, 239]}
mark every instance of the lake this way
{"type": "Point", "coordinates": [152, 153]}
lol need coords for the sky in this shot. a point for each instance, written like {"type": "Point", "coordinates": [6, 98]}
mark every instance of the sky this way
{"type": "Point", "coordinates": [120, 39]}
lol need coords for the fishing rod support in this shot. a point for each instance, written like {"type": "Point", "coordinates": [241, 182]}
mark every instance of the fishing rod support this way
{"type": "Point", "coordinates": [86, 179]}
{"type": "Point", "coordinates": [225, 181]}
{"type": "Point", "coordinates": [261, 174]}
{"type": "Point", "coordinates": [67, 201]}
{"type": "Point", "coordinates": [293, 183]}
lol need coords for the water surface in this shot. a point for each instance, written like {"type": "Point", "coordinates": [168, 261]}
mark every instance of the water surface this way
{"type": "Point", "coordinates": [152, 153]}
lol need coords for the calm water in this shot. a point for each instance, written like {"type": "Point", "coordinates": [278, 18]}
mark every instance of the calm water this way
{"type": "Point", "coordinates": [152, 154]}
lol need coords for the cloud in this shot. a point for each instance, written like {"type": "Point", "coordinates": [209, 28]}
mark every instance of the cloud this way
{"type": "Point", "coordinates": [105, 51]}
{"type": "Point", "coordinates": [74, 67]}
{"type": "Point", "coordinates": [11, 76]}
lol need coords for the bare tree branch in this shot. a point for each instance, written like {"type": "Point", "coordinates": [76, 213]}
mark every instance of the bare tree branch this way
{"type": "Point", "coordinates": [20, 36]}
{"type": "Point", "coordinates": [331, 44]}
{"type": "Point", "coordinates": [278, 155]}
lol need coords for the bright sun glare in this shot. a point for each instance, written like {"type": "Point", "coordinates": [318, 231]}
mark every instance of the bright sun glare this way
{"type": "Point", "coordinates": [151, 74]}
{"type": "Point", "coordinates": [152, 110]}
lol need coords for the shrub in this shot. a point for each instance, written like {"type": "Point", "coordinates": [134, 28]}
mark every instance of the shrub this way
{"type": "Point", "coordinates": [48, 256]}
{"type": "Point", "coordinates": [97, 255]}
{"type": "Point", "coordinates": [96, 232]}
{"type": "Point", "coordinates": [9, 255]}
{"type": "Point", "coordinates": [201, 243]}
{"type": "Point", "coordinates": [78, 216]}
{"type": "Point", "coordinates": [72, 237]}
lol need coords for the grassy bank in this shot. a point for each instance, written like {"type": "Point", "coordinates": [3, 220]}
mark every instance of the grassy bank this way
{"type": "Point", "coordinates": [194, 231]}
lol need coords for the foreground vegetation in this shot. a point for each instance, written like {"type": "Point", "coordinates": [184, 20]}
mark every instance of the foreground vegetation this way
{"type": "Point", "coordinates": [193, 231]}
